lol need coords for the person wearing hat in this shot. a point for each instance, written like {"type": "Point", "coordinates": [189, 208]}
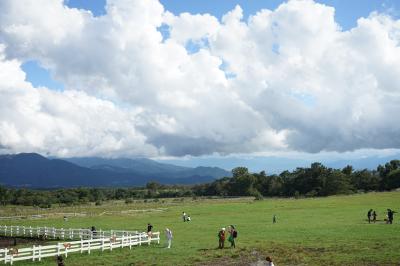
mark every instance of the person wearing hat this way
{"type": "Point", "coordinates": [221, 238]}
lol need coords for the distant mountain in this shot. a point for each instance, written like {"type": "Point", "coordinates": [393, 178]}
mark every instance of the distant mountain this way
{"type": "Point", "coordinates": [147, 167]}
{"type": "Point", "coordinates": [36, 171]}
{"type": "Point", "coordinates": [139, 165]}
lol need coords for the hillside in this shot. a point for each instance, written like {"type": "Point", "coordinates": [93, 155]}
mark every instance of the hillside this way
{"type": "Point", "coordinates": [35, 171]}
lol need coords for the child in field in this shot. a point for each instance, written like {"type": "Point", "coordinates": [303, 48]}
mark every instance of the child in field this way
{"type": "Point", "coordinates": [374, 216]}
{"type": "Point", "coordinates": [221, 238]}
{"type": "Point", "coordinates": [168, 234]}
{"type": "Point", "coordinates": [188, 218]}
{"type": "Point", "coordinates": [269, 261]}
{"type": "Point", "coordinates": [184, 216]}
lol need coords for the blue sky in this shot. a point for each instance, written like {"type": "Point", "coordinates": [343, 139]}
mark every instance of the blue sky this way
{"type": "Point", "coordinates": [347, 13]}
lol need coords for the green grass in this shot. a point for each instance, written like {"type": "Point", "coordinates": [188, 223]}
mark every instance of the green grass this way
{"type": "Point", "coordinates": [314, 231]}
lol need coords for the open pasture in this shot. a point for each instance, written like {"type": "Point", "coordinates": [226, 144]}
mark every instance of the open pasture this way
{"type": "Point", "coordinates": [312, 231]}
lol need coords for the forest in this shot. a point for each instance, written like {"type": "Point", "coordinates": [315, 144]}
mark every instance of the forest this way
{"type": "Point", "coordinates": [314, 181]}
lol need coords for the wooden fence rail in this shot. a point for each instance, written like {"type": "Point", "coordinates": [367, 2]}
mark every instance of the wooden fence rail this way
{"type": "Point", "coordinates": [84, 245]}
{"type": "Point", "coordinates": [60, 233]}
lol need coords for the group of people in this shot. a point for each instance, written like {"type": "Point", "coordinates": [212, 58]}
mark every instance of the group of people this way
{"type": "Point", "coordinates": [222, 234]}
{"type": "Point", "coordinates": [371, 215]}
{"type": "Point", "coordinates": [186, 217]}
{"type": "Point", "coordinates": [232, 236]}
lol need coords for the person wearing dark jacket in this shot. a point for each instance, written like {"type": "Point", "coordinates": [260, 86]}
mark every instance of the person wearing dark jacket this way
{"type": "Point", "coordinates": [369, 214]}
{"type": "Point", "coordinates": [149, 228]}
{"type": "Point", "coordinates": [390, 215]}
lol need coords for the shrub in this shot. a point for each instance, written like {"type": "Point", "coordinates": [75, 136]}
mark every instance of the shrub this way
{"type": "Point", "coordinates": [128, 201]}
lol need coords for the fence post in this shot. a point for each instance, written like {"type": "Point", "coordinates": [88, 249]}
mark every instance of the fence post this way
{"type": "Point", "coordinates": [89, 241]}
{"type": "Point", "coordinates": [33, 252]}
{"type": "Point", "coordinates": [81, 245]}
{"type": "Point", "coordinates": [11, 259]}
{"type": "Point", "coordinates": [58, 249]}
{"type": "Point", "coordinates": [40, 253]}
{"type": "Point", "coordinates": [5, 255]}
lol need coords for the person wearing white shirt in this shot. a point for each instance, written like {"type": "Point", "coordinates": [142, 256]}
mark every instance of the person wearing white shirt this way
{"type": "Point", "coordinates": [168, 234]}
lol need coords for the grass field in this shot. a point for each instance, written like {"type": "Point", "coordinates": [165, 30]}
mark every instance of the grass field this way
{"type": "Point", "coordinates": [312, 231]}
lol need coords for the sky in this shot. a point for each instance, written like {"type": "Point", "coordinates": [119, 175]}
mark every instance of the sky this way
{"type": "Point", "coordinates": [195, 82]}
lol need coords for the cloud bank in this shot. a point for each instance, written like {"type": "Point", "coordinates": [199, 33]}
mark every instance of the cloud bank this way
{"type": "Point", "coordinates": [287, 79]}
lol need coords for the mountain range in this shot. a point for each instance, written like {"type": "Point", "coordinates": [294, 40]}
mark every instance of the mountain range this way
{"type": "Point", "coordinates": [36, 171]}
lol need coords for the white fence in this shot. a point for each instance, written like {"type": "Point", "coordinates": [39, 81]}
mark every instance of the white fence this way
{"type": "Point", "coordinates": [60, 233]}
{"type": "Point", "coordinates": [83, 245]}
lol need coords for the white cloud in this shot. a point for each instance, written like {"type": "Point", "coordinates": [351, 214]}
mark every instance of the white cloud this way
{"type": "Point", "coordinates": [66, 123]}
{"type": "Point", "coordinates": [287, 79]}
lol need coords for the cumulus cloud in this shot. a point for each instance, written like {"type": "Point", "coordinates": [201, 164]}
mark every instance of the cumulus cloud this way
{"type": "Point", "coordinates": [63, 123]}
{"type": "Point", "coordinates": [282, 80]}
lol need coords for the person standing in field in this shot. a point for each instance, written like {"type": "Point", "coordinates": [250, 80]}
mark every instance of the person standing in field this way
{"type": "Point", "coordinates": [149, 228]}
{"type": "Point", "coordinates": [232, 236]}
{"type": "Point", "coordinates": [184, 216]}
{"type": "Point", "coordinates": [221, 238]}
{"type": "Point", "coordinates": [274, 219]}
{"type": "Point", "coordinates": [369, 214]}
{"type": "Point", "coordinates": [374, 216]}
{"type": "Point", "coordinates": [390, 216]}
{"type": "Point", "coordinates": [94, 232]}
{"type": "Point", "coordinates": [168, 234]}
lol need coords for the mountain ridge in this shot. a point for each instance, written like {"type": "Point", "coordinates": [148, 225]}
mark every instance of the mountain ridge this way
{"type": "Point", "coordinates": [36, 171]}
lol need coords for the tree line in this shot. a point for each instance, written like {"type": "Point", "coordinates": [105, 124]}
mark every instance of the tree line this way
{"type": "Point", "coordinates": [314, 181]}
